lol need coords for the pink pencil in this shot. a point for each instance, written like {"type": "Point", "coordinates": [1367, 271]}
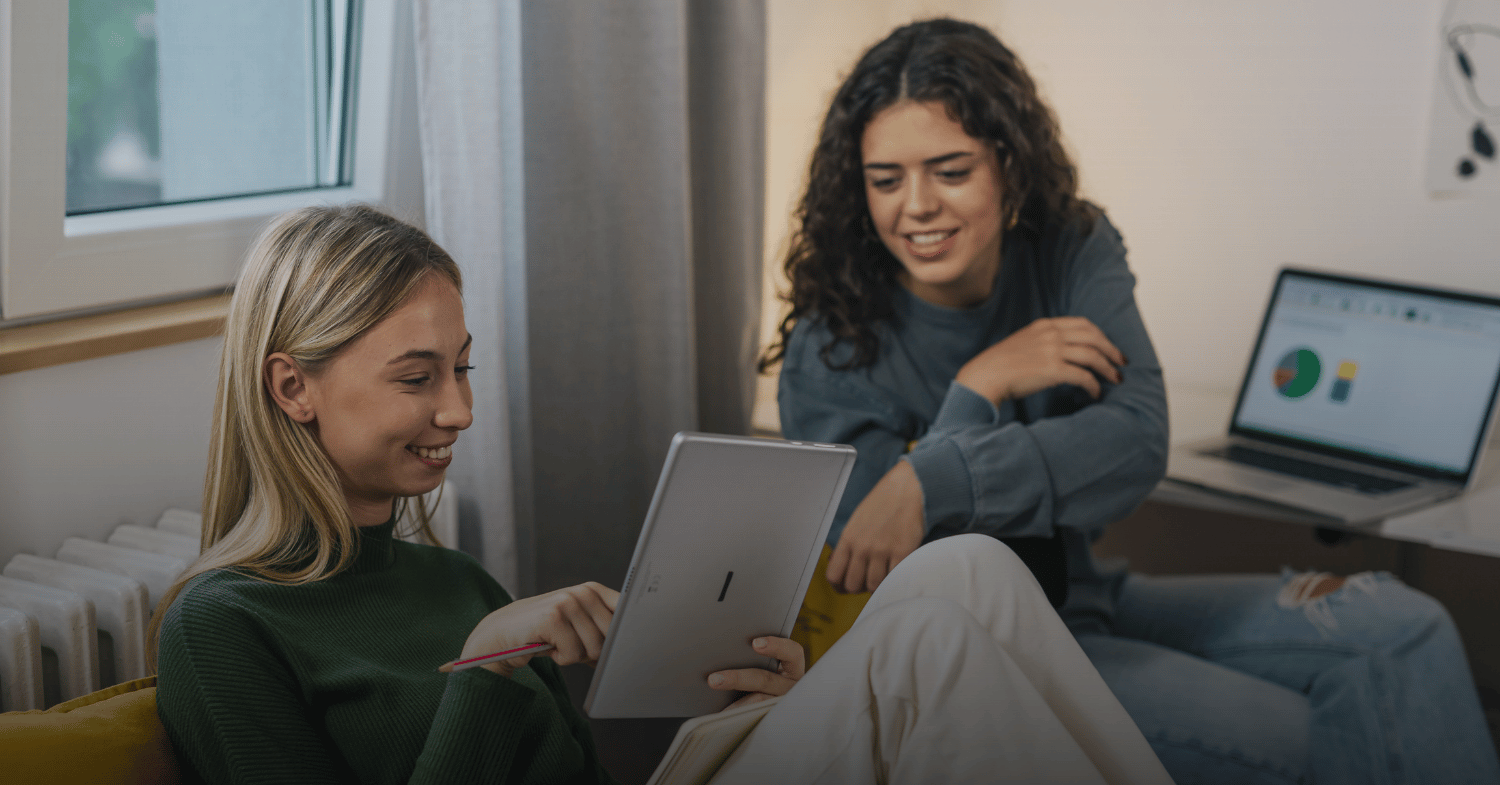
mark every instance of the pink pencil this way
{"type": "Point", "coordinates": [474, 662]}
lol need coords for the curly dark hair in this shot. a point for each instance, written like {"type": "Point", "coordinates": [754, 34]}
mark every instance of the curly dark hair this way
{"type": "Point", "coordinates": [841, 273]}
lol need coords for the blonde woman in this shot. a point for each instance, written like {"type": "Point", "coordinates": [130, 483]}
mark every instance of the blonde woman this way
{"type": "Point", "coordinates": [305, 644]}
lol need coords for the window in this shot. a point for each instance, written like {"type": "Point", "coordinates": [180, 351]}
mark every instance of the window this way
{"type": "Point", "coordinates": [145, 141]}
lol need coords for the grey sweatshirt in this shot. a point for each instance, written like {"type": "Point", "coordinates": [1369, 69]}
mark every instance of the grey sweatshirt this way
{"type": "Point", "coordinates": [1054, 461]}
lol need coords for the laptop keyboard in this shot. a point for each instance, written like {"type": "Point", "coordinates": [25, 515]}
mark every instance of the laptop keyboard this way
{"type": "Point", "coordinates": [1359, 481]}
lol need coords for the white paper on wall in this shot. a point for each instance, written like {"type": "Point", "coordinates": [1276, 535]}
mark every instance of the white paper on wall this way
{"type": "Point", "coordinates": [1465, 129]}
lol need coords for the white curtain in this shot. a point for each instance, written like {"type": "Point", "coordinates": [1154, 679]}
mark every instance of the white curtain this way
{"type": "Point", "coordinates": [596, 169]}
{"type": "Point", "coordinates": [469, 91]}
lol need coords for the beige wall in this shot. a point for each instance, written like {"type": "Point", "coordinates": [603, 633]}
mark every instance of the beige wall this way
{"type": "Point", "coordinates": [1225, 139]}
{"type": "Point", "coordinates": [90, 445]}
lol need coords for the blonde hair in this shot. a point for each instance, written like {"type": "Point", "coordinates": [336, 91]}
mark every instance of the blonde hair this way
{"type": "Point", "coordinates": [314, 281]}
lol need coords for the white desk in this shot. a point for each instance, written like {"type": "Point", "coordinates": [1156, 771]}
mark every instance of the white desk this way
{"type": "Point", "coordinates": [1469, 523]}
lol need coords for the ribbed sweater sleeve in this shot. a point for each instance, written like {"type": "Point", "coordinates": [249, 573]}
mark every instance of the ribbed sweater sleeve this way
{"type": "Point", "coordinates": [477, 733]}
{"type": "Point", "coordinates": [231, 708]}
{"type": "Point", "coordinates": [337, 682]}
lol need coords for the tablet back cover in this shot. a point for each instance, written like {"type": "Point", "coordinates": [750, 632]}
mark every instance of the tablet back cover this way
{"type": "Point", "coordinates": [726, 553]}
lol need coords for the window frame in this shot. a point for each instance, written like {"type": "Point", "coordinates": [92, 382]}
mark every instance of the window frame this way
{"type": "Point", "coordinates": [51, 263]}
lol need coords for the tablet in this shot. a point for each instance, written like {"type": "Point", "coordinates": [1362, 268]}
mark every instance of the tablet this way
{"type": "Point", "coordinates": [725, 555]}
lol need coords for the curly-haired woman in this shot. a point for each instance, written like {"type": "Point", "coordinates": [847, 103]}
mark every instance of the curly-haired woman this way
{"type": "Point", "coordinates": [968, 322]}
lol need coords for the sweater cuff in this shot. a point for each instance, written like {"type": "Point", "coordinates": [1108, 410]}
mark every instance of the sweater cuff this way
{"type": "Point", "coordinates": [962, 407]}
{"type": "Point", "coordinates": [481, 690]}
{"type": "Point", "coordinates": [477, 705]}
{"type": "Point", "coordinates": [947, 489]}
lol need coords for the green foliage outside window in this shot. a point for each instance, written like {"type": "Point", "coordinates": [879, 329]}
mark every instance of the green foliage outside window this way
{"type": "Point", "coordinates": [114, 136]}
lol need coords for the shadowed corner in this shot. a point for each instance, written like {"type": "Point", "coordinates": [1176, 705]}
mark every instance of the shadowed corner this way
{"type": "Point", "coordinates": [629, 749]}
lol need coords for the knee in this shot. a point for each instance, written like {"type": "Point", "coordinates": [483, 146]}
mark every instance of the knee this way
{"type": "Point", "coordinates": [912, 626]}
{"type": "Point", "coordinates": [976, 553]}
{"type": "Point", "coordinates": [1389, 610]}
{"type": "Point", "coordinates": [1394, 598]}
{"type": "Point", "coordinates": [1413, 609]}
{"type": "Point", "coordinates": [967, 567]}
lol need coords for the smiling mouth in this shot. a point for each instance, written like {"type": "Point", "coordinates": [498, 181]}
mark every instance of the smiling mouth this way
{"type": "Point", "coordinates": [924, 243]}
{"type": "Point", "coordinates": [930, 238]}
{"type": "Point", "coordinates": [433, 454]}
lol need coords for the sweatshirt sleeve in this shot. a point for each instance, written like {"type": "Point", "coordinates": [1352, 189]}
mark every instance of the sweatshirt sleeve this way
{"type": "Point", "coordinates": [984, 471]}
{"type": "Point", "coordinates": [839, 407]}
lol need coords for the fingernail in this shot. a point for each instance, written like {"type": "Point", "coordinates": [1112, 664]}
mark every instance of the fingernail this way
{"type": "Point", "coordinates": [759, 643]}
{"type": "Point", "coordinates": [716, 680]}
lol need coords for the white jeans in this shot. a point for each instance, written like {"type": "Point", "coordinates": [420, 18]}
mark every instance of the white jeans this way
{"type": "Point", "coordinates": [957, 671]}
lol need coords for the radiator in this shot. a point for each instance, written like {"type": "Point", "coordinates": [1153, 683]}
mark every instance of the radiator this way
{"type": "Point", "coordinates": [184, 522]}
{"type": "Point", "coordinates": [66, 623]}
{"type": "Point", "coordinates": [20, 661]}
{"type": "Point", "coordinates": [153, 569]}
{"type": "Point", "coordinates": [59, 617]}
{"type": "Point", "coordinates": [92, 594]}
{"type": "Point", "coordinates": [165, 543]}
{"type": "Point", "coordinates": [120, 610]}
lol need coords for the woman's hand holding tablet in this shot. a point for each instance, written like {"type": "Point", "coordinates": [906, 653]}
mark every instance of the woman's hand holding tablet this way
{"type": "Point", "coordinates": [764, 684]}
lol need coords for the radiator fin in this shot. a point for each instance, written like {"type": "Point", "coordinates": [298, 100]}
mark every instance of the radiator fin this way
{"type": "Point", "coordinates": [155, 541]}
{"type": "Point", "coordinates": [20, 661]}
{"type": "Point", "coordinates": [184, 522]}
{"type": "Point", "coordinates": [121, 607]}
{"type": "Point", "coordinates": [67, 627]}
{"type": "Point", "coordinates": [153, 569]}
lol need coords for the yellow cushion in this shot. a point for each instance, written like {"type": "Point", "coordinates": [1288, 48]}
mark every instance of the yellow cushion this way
{"type": "Point", "coordinates": [826, 614]}
{"type": "Point", "coordinates": [109, 736]}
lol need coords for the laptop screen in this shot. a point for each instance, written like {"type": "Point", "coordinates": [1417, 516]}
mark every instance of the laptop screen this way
{"type": "Point", "coordinates": [1400, 374]}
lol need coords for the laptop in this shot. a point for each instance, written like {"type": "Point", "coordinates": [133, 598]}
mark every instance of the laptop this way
{"type": "Point", "coordinates": [729, 545]}
{"type": "Point", "coordinates": [1363, 399]}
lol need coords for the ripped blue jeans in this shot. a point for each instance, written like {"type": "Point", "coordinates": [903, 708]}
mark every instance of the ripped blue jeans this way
{"type": "Point", "coordinates": [1247, 679]}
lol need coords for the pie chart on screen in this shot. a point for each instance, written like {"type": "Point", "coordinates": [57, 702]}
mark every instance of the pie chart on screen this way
{"type": "Point", "coordinates": [1297, 373]}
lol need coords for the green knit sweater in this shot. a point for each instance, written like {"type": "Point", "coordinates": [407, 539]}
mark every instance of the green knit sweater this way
{"type": "Point", "coordinates": [336, 681]}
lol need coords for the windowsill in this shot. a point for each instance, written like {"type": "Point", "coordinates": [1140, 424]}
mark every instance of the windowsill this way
{"type": "Point", "coordinates": [84, 338]}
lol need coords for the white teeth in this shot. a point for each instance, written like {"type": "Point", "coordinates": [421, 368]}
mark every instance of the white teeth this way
{"type": "Point", "coordinates": [437, 454]}
{"type": "Point", "coordinates": [929, 238]}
